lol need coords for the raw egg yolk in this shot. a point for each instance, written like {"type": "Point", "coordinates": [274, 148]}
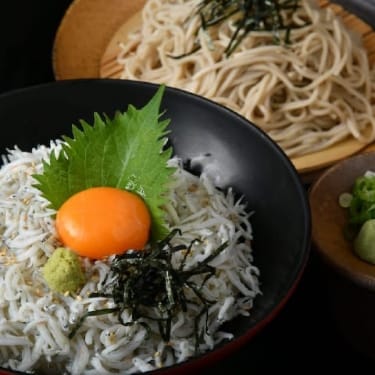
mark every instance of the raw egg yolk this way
{"type": "Point", "coordinates": [101, 221]}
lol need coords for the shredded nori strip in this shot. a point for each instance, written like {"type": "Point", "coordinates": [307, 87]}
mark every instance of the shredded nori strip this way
{"type": "Point", "coordinates": [147, 285]}
{"type": "Point", "coordinates": [247, 16]}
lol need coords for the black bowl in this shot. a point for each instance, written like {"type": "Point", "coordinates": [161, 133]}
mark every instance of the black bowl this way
{"type": "Point", "coordinates": [248, 160]}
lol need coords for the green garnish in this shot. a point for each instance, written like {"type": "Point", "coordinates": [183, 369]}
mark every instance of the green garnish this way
{"type": "Point", "coordinates": [360, 203]}
{"type": "Point", "coordinates": [345, 199]}
{"type": "Point", "coordinates": [364, 242]}
{"type": "Point", "coordinates": [151, 288]}
{"type": "Point", "coordinates": [247, 16]}
{"type": "Point", "coordinates": [63, 271]}
{"type": "Point", "coordinates": [126, 151]}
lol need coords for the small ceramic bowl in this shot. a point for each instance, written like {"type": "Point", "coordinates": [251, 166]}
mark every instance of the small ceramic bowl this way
{"type": "Point", "coordinates": [349, 281]}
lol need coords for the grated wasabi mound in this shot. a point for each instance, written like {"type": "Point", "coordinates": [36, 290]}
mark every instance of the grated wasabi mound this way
{"type": "Point", "coordinates": [364, 243]}
{"type": "Point", "coordinates": [63, 272]}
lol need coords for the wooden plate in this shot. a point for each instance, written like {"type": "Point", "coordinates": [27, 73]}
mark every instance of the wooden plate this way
{"type": "Point", "coordinates": [86, 46]}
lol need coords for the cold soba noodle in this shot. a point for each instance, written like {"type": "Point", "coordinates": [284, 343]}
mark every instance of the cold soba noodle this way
{"type": "Point", "coordinates": [35, 323]}
{"type": "Point", "coordinates": [306, 95]}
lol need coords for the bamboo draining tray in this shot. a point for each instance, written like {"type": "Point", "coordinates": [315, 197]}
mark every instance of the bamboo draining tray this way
{"type": "Point", "coordinates": [86, 46]}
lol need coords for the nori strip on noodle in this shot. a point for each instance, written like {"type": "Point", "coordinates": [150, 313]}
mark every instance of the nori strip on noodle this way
{"type": "Point", "coordinates": [251, 15]}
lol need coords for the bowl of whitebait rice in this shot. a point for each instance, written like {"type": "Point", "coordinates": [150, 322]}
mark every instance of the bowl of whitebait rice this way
{"type": "Point", "coordinates": [144, 229]}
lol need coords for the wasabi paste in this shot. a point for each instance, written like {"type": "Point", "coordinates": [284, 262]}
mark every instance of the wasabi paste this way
{"type": "Point", "coordinates": [364, 243]}
{"type": "Point", "coordinates": [63, 272]}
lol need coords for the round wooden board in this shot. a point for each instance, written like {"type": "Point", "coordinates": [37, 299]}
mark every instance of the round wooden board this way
{"type": "Point", "coordinates": [87, 45]}
{"type": "Point", "coordinates": [84, 33]}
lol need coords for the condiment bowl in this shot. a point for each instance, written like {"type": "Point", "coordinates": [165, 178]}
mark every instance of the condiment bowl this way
{"type": "Point", "coordinates": [350, 281]}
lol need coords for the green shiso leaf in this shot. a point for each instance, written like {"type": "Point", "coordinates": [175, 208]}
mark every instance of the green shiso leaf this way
{"type": "Point", "coordinates": [126, 151]}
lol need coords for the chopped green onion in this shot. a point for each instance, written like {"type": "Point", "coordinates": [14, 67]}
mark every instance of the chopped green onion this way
{"type": "Point", "coordinates": [360, 203]}
{"type": "Point", "coordinates": [345, 199]}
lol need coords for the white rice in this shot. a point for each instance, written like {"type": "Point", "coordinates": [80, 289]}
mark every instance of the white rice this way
{"type": "Point", "coordinates": [35, 323]}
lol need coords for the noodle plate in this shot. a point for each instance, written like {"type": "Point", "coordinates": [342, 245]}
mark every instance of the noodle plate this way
{"type": "Point", "coordinates": [307, 95]}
